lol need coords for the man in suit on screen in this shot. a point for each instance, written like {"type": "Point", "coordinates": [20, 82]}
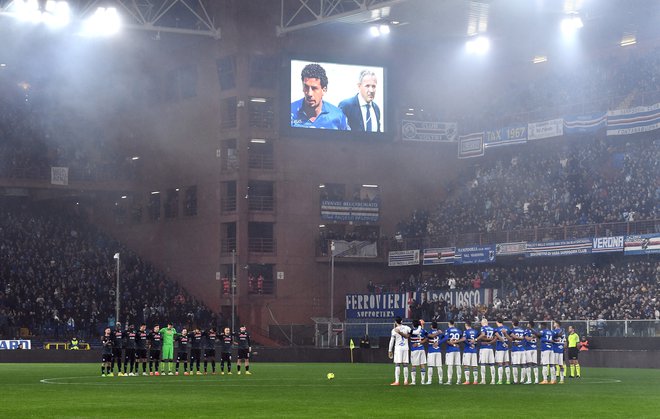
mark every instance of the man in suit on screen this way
{"type": "Point", "coordinates": [362, 112]}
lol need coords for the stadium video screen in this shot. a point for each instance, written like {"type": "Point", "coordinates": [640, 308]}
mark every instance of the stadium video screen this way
{"type": "Point", "coordinates": [338, 97]}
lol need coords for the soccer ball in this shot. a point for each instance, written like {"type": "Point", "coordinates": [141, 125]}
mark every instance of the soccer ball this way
{"type": "Point", "coordinates": [331, 376]}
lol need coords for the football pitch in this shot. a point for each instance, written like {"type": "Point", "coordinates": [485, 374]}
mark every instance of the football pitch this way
{"type": "Point", "coordinates": [303, 390]}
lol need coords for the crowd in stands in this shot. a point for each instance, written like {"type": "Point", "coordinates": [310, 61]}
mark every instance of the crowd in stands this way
{"type": "Point", "coordinates": [36, 135]}
{"type": "Point", "coordinates": [617, 288]}
{"type": "Point", "coordinates": [58, 277]}
{"type": "Point", "coordinates": [599, 83]}
{"type": "Point", "coordinates": [596, 181]}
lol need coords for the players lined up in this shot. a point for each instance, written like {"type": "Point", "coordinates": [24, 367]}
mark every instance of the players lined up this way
{"type": "Point", "coordinates": [502, 354]}
{"type": "Point", "coordinates": [155, 348]}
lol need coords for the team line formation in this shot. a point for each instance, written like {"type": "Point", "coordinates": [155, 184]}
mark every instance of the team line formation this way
{"type": "Point", "coordinates": [155, 347]}
{"type": "Point", "coordinates": [514, 360]}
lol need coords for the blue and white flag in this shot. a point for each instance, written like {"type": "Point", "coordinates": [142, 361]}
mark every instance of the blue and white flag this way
{"type": "Point", "coordinates": [632, 121]}
{"type": "Point", "coordinates": [579, 124]}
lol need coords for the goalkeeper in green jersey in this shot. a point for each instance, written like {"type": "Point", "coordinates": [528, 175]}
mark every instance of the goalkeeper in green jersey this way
{"type": "Point", "coordinates": [168, 335]}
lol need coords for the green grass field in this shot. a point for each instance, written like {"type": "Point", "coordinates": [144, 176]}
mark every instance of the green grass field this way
{"type": "Point", "coordinates": [302, 390]}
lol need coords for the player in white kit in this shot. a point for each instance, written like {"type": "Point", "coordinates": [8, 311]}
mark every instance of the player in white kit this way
{"type": "Point", "coordinates": [399, 350]}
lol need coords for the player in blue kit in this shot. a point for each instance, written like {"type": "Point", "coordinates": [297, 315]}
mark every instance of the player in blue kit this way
{"type": "Point", "coordinates": [558, 343]}
{"type": "Point", "coordinates": [531, 352]}
{"type": "Point", "coordinates": [547, 359]}
{"type": "Point", "coordinates": [417, 354]}
{"type": "Point", "coordinates": [435, 339]}
{"type": "Point", "coordinates": [502, 344]}
{"type": "Point", "coordinates": [518, 355]}
{"type": "Point", "coordinates": [486, 356]}
{"type": "Point", "coordinates": [453, 353]}
{"type": "Point", "coordinates": [469, 340]}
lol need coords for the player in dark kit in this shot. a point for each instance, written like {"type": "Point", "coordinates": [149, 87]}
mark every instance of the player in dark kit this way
{"type": "Point", "coordinates": [183, 342]}
{"type": "Point", "coordinates": [211, 338]}
{"type": "Point", "coordinates": [106, 358]}
{"type": "Point", "coordinates": [117, 346]}
{"type": "Point", "coordinates": [196, 341]}
{"type": "Point", "coordinates": [156, 345]}
{"type": "Point", "coordinates": [244, 349]}
{"type": "Point", "coordinates": [226, 341]}
{"type": "Point", "coordinates": [129, 350]}
{"type": "Point", "coordinates": [141, 349]}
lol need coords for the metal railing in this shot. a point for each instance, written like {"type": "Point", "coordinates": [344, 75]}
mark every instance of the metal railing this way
{"type": "Point", "coordinates": [261, 203]}
{"type": "Point", "coordinates": [261, 245]}
{"type": "Point", "coordinates": [535, 234]}
{"type": "Point", "coordinates": [260, 161]}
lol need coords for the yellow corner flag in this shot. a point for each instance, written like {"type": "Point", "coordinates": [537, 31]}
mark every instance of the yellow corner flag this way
{"type": "Point", "coordinates": [351, 345]}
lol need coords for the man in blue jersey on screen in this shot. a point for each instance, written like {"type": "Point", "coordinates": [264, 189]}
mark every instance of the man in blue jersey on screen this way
{"type": "Point", "coordinates": [312, 111]}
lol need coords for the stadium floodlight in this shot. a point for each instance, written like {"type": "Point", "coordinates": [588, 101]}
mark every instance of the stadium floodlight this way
{"type": "Point", "coordinates": [57, 14]}
{"type": "Point", "coordinates": [374, 31]}
{"type": "Point", "coordinates": [479, 45]}
{"type": "Point", "coordinates": [570, 25]}
{"type": "Point", "coordinates": [53, 13]}
{"type": "Point", "coordinates": [27, 11]}
{"type": "Point", "coordinates": [384, 29]}
{"type": "Point", "coordinates": [628, 40]}
{"type": "Point", "coordinates": [104, 22]}
{"type": "Point", "coordinates": [538, 59]}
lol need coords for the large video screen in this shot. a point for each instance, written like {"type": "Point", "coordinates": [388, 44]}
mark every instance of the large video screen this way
{"type": "Point", "coordinates": [341, 97]}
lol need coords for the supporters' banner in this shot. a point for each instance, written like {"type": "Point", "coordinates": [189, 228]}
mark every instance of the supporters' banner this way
{"type": "Point", "coordinates": [584, 123]}
{"type": "Point", "coordinates": [14, 344]}
{"type": "Point", "coordinates": [471, 145]}
{"type": "Point", "coordinates": [631, 121]}
{"type": "Point", "coordinates": [377, 306]}
{"type": "Point", "coordinates": [559, 248]}
{"type": "Point", "coordinates": [355, 249]}
{"type": "Point", "coordinates": [403, 258]}
{"type": "Point", "coordinates": [545, 129]}
{"type": "Point", "coordinates": [505, 136]}
{"type": "Point", "coordinates": [429, 131]}
{"type": "Point", "coordinates": [59, 175]}
{"type": "Point", "coordinates": [470, 298]}
{"type": "Point", "coordinates": [642, 244]}
{"type": "Point", "coordinates": [439, 256]}
{"type": "Point", "coordinates": [607, 244]}
{"type": "Point", "coordinates": [503, 249]}
{"type": "Point", "coordinates": [349, 211]}
{"type": "Point", "coordinates": [475, 254]}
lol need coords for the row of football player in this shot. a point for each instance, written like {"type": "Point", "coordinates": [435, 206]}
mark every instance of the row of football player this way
{"type": "Point", "coordinates": [159, 344]}
{"type": "Point", "coordinates": [516, 346]}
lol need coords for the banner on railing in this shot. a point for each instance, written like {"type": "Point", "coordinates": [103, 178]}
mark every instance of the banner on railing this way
{"type": "Point", "coordinates": [475, 254]}
{"type": "Point", "coordinates": [15, 344]}
{"type": "Point", "coordinates": [59, 176]}
{"type": "Point", "coordinates": [504, 249]}
{"type": "Point", "coordinates": [377, 306]}
{"type": "Point", "coordinates": [469, 298]}
{"type": "Point", "coordinates": [607, 244]}
{"type": "Point", "coordinates": [642, 244]}
{"type": "Point", "coordinates": [471, 145]}
{"type": "Point", "coordinates": [403, 258]}
{"type": "Point", "coordinates": [355, 249]}
{"type": "Point", "coordinates": [559, 248]}
{"type": "Point", "coordinates": [349, 211]}
{"type": "Point", "coordinates": [631, 121]}
{"type": "Point", "coordinates": [545, 129]}
{"type": "Point", "coordinates": [429, 131]}
{"type": "Point", "coordinates": [439, 256]}
{"type": "Point", "coordinates": [579, 124]}
{"type": "Point", "coordinates": [505, 136]}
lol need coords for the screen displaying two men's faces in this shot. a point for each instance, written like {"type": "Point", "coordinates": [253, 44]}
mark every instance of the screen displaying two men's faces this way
{"type": "Point", "coordinates": [335, 96]}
